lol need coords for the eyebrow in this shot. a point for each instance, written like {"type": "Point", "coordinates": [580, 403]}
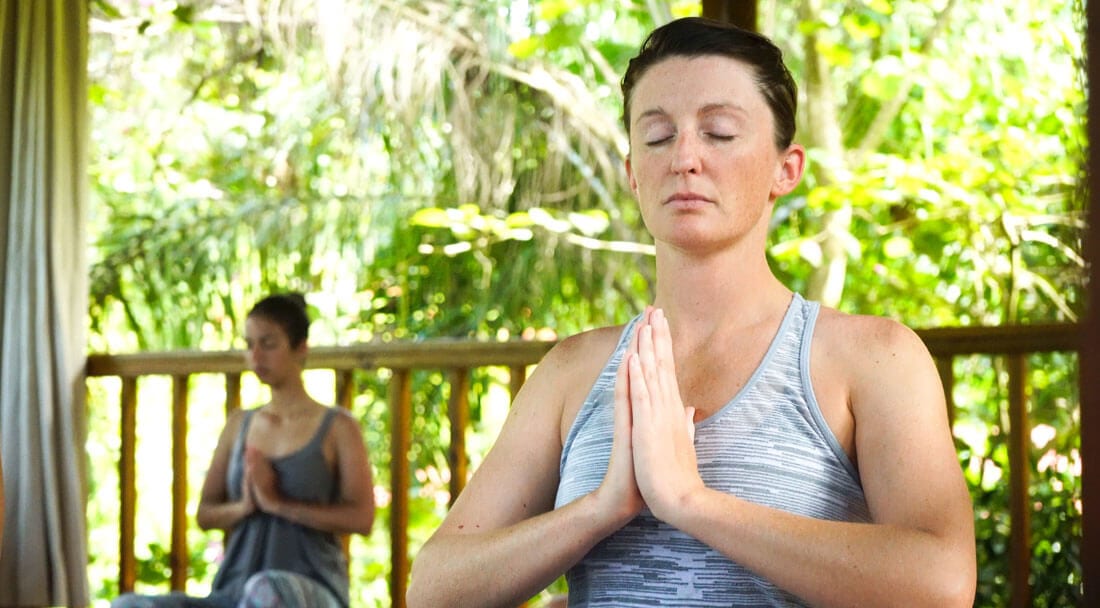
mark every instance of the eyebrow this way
{"type": "Point", "coordinates": [724, 106]}
{"type": "Point", "coordinates": [706, 109]}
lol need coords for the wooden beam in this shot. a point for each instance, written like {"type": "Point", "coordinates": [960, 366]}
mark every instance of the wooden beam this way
{"type": "Point", "coordinates": [1019, 469]}
{"type": "Point", "coordinates": [127, 482]}
{"type": "Point", "coordinates": [400, 440]}
{"type": "Point", "coordinates": [1089, 375]}
{"type": "Point", "coordinates": [458, 414]}
{"type": "Point", "coordinates": [178, 557]}
{"type": "Point", "coordinates": [741, 13]}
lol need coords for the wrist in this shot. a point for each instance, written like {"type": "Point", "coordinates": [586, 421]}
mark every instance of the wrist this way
{"type": "Point", "coordinates": [679, 508]}
{"type": "Point", "coordinates": [606, 514]}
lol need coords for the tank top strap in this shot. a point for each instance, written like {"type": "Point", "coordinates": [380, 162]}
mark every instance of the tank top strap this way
{"type": "Point", "coordinates": [322, 430]}
{"type": "Point", "coordinates": [242, 433]}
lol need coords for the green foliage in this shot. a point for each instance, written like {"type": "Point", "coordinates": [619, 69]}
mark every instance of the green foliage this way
{"type": "Point", "coordinates": [418, 181]}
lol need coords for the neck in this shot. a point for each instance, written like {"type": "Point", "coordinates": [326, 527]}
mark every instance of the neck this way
{"type": "Point", "coordinates": [290, 397]}
{"type": "Point", "coordinates": [726, 290]}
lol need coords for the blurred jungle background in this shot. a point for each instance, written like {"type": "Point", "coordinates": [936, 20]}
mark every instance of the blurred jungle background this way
{"type": "Point", "coordinates": [454, 168]}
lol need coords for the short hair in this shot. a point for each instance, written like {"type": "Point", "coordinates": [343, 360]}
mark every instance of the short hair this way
{"type": "Point", "coordinates": [696, 37]}
{"type": "Point", "coordinates": [288, 311]}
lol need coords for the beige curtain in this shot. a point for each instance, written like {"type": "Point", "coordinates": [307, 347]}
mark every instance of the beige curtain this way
{"type": "Point", "coordinates": [43, 299]}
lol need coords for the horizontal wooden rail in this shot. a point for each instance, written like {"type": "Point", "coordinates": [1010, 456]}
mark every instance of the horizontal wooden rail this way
{"type": "Point", "coordinates": [428, 354]}
{"type": "Point", "coordinates": [458, 358]}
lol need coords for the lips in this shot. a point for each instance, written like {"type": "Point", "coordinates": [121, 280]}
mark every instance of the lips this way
{"type": "Point", "coordinates": [690, 197]}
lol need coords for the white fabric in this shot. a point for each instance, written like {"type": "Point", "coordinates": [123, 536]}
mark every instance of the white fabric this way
{"type": "Point", "coordinates": [43, 299]}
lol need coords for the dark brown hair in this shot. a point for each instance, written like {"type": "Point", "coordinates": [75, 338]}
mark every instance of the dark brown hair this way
{"type": "Point", "coordinates": [288, 311]}
{"type": "Point", "coordinates": [696, 37]}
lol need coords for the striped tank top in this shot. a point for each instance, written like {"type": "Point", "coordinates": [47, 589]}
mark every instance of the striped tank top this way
{"type": "Point", "coordinates": [769, 445]}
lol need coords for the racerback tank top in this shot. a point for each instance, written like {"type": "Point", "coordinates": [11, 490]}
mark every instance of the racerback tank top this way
{"type": "Point", "coordinates": [769, 444]}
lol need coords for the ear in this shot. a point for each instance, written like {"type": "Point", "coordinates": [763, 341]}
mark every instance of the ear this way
{"type": "Point", "coordinates": [792, 162]}
{"type": "Point", "coordinates": [630, 177]}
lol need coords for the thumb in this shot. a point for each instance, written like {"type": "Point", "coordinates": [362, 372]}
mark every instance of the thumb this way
{"type": "Point", "coordinates": [689, 418]}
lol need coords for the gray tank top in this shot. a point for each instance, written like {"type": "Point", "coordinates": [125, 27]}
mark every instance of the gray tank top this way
{"type": "Point", "coordinates": [266, 542]}
{"type": "Point", "coordinates": [769, 445]}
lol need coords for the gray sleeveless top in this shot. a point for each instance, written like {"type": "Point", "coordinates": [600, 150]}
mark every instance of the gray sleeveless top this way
{"type": "Point", "coordinates": [769, 445]}
{"type": "Point", "coordinates": [264, 542]}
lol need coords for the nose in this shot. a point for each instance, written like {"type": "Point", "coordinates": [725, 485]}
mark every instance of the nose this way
{"type": "Point", "coordinates": [685, 157]}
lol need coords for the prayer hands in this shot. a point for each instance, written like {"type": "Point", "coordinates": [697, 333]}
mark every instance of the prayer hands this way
{"type": "Point", "coordinates": [259, 480]}
{"type": "Point", "coordinates": [654, 432]}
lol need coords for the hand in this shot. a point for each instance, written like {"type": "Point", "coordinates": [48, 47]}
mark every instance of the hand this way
{"type": "Point", "coordinates": [248, 502]}
{"type": "Point", "coordinates": [663, 429]}
{"type": "Point", "coordinates": [619, 485]}
{"type": "Point", "coordinates": [261, 480]}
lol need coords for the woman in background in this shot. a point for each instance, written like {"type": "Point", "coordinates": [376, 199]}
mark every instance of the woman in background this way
{"type": "Point", "coordinates": [286, 479]}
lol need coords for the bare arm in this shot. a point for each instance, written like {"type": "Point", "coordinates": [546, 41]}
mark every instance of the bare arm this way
{"type": "Point", "coordinates": [502, 541]}
{"type": "Point", "coordinates": [919, 548]}
{"type": "Point", "coordinates": [353, 513]}
{"type": "Point", "coordinates": [215, 510]}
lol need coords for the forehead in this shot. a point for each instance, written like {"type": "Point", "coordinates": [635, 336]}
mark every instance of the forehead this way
{"type": "Point", "coordinates": [257, 326]}
{"type": "Point", "coordinates": [690, 83]}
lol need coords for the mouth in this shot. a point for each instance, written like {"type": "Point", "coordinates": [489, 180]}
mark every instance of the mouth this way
{"type": "Point", "coordinates": [687, 198]}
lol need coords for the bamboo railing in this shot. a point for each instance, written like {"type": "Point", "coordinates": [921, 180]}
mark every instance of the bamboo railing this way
{"type": "Point", "coordinates": [458, 358]}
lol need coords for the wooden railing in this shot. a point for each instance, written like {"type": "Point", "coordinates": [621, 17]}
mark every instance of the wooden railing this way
{"type": "Point", "coordinates": [457, 359]}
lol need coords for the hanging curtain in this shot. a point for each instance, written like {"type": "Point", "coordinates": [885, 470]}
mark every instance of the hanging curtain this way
{"type": "Point", "coordinates": [43, 300]}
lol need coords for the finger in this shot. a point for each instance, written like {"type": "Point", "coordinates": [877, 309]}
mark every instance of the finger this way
{"type": "Point", "coordinates": [666, 362]}
{"type": "Point", "coordinates": [689, 416]}
{"type": "Point", "coordinates": [639, 391]}
{"type": "Point", "coordinates": [622, 413]}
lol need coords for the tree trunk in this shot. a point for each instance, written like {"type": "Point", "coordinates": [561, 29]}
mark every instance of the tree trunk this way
{"type": "Point", "coordinates": [741, 13]}
{"type": "Point", "coordinates": [826, 283]}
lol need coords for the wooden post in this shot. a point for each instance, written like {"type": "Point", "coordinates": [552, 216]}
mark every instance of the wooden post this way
{"type": "Point", "coordinates": [741, 13]}
{"type": "Point", "coordinates": [400, 438]}
{"type": "Point", "coordinates": [1089, 374]}
{"type": "Point", "coordinates": [517, 375]}
{"type": "Point", "coordinates": [345, 388]}
{"type": "Point", "coordinates": [232, 393]}
{"type": "Point", "coordinates": [127, 484]}
{"type": "Point", "coordinates": [178, 558]}
{"type": "Point", "coordinates": [945, 366]}
{"type": "Point", "coordinates": [345, 393]}
{"type": "Point", "coordinates": [458, 413]}
{"type": "Point", "coordinates": [1019, 467]}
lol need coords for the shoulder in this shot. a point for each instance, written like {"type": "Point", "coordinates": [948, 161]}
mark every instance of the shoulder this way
{"type": "Point", "coordinates": [867, 339]}
{"type": "Point", "coordinates": [584, 348]}
{"type": "Point", "coordinates": [575, 362]}
{"type": "Point", "coordinates": [344, 423]}
{"type": "Point", "coordinates": [562, 378]}
{"type": "Point", "coordinates": [880, 360]}
{"type": "Point", "coordinates": [234, 421]}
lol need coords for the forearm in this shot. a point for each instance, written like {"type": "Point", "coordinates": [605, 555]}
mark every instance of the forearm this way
{"type": "Point", "coordinates": [506, 566]}
{"type": "Point", "coordinates": [828, 563]}
{"type": "Point", "coordinates": [221, 516]}
{"type": "Point", "coordinates": [339, 518]}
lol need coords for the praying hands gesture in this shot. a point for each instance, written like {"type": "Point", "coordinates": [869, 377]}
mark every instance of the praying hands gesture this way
{"type": "Point", "coordinates": [654, 431]}
{"type": "Point", "coordinates": [260, 487]}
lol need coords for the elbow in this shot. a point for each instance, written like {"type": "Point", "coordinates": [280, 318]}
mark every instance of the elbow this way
{"type": "Point", "coordinates": [959, 589]}
{"type": "Point", "coordinates": [416, 596]}
{"type": "Point", "coordinates": [421, 592]}
{"type": "Point", "coordinates": [366, 524]}
{"type": "Point", "coordinates": [364, 518]}
{"type": "Point", "coordinates": [954, 587]}
{"type": "Point", "coordinates": [202, 518]}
